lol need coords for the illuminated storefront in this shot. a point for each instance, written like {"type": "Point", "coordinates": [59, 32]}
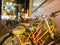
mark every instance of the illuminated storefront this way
{"type": "Point", "coordinates": [16, 9]}
{"type": "Point", "coordinates": [8, 9]}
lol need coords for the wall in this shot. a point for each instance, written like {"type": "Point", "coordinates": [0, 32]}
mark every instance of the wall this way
{"type": "Point", "coordinates": [54, 6]}
{"type": "Point", "coordinates": [47, 10]}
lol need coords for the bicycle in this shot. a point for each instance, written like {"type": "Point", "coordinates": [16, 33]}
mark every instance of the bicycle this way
{"type": "Point", "coordinates": [17, 37]}
{"type": "Point", "coordinates": [36, 37]}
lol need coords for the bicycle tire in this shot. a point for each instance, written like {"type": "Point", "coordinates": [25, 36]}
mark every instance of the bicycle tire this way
{"type": "Point", "coordinates": [6, 39]}
{"type": "Point", "coordinates": [9, 37]}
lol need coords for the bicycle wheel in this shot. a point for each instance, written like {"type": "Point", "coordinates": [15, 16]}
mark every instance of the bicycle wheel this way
{"type": "Point", "coordinates": [10, 40]}
{"type": "Point", "coordinates": [13, 40]}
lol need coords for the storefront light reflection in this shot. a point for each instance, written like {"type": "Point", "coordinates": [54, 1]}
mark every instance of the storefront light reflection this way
{"type": "Point", "coordinates": [6, 17]}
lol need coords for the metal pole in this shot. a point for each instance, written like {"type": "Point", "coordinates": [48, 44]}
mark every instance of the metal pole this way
{"type": "Point", "coordinates": [30, 7]}
{"type": "Point", "coordinates": [51, 33]}
{"type": "Point", "coordinates": [0, 8]}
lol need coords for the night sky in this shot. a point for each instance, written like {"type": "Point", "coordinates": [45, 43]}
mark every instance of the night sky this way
{"type": "Point", "coordinates": [25, 3]}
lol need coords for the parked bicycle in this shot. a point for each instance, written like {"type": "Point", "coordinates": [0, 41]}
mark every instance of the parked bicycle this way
{"type": "Point", "coordinates": [21, 35]}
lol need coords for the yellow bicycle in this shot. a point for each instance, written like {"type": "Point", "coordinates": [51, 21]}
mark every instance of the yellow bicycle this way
{"type": "Point", "coordinates": [16, 37]}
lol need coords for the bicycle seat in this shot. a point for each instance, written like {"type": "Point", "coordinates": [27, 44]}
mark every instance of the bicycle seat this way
{"type": "Point", "coordinates": [18, 31]}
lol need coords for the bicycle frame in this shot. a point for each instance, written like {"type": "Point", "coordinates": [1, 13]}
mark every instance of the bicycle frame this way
{"type": "Point", "coordinates": [34, 36]}
{"type": "Point", "coordinates": [18, 34]}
